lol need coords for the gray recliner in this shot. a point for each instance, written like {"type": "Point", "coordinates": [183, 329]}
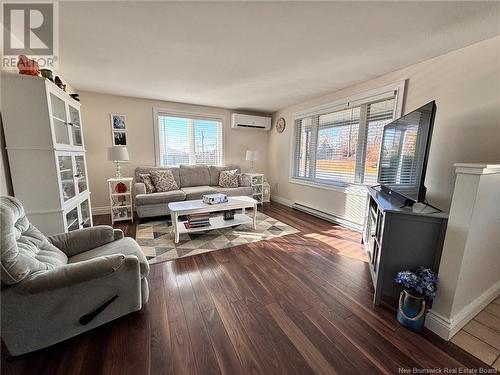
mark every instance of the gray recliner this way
{"type": "Point", "coordinates": [58, 287]}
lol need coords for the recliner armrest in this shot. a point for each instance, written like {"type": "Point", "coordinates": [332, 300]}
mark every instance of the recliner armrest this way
{"type": "Point", "coordinates": [118, 234]}
{"type": "Point", "coordinates": [78, 241]}
{"type": "Point", "coordinates": [77, 273]}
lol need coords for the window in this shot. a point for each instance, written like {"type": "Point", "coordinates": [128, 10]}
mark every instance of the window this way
{"type": "Point", "coordinates": [188, 139]}
{"type": "Point", "coordinates": [339, 144]}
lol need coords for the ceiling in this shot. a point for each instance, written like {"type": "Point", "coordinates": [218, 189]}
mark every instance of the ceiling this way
{"type": "Point", "coordinates": [258, 56]}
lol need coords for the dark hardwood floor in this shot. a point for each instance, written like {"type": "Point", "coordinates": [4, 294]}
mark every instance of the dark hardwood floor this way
{"type": "Point", "coordinates": [298, 304]}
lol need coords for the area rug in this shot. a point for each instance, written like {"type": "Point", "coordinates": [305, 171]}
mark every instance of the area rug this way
{"type": "Point", "coordinates": [157, 243]}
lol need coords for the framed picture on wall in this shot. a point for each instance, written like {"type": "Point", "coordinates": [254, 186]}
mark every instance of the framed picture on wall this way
{"type": "Point", "coordinates": [118, 129]}
{"type": "Point", "coordinates": [119, 138]}
{"type": "Point", "coordinates": [118, 122]}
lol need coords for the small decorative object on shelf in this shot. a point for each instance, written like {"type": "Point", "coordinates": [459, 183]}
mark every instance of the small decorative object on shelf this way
{"type": "Point", "coordinates": [75, 96]}
{"type": "Point", "coordinates": [47, 73]}
{"type": "Point", "coordinates": [229, 215]}
{"type": "Point", "coordinates": [121, 188]}
{"type": "Point", "coordinates": [214, 198]}
{"type": "Point", "coordinates": [120, 199]}
{"type": "Point", "coordinates": [59, 83]}
{"type": "Point", "coordinates": [27, 66]}
{"type": "Point", "coordinates": [256, 181]}
{"type": "Point", "coordinates": [420, 287]}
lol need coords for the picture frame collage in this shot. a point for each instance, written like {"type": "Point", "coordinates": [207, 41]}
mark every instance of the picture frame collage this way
{"type": "Point", "coordinates": [118, 129]}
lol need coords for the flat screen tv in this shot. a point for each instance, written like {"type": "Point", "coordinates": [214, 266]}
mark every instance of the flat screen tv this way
{"type": "Point", "coordinates": [404, 152]}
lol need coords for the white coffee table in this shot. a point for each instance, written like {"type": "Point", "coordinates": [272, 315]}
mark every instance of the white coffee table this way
{"type": "Point", "coordinates": [197, 207]}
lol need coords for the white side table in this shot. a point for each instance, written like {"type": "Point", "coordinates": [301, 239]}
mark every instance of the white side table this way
{"type": "Point", "coordinates": [257, 183]}
{"type": "Point", "coordinates": [120, 199]}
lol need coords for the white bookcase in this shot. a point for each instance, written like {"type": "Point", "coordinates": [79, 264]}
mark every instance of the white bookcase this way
{"type": "Point", "coordinates": [257, 183]}
{"type": "Point", "coordinates": [45, 146]}
{"type": "Point", "coordinates": [120, 199]}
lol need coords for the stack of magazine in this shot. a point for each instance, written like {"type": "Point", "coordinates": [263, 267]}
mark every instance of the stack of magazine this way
{"type": "Point", "coordinates": [197, 221]}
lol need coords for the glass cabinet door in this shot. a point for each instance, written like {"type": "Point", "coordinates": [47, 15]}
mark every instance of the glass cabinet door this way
{"type": "Point", "coordinates": [74, 122]}
{"type": "Point", "coordinates": [85, 214]}
{"type": "Point", "coordinates": [67, 178]}
{"type": "Point", "coordinates": [72, 220]}
{"type": "Point", "coordinates": [59, 120]}
{"type": "Point", "coordinates": [80, 173]}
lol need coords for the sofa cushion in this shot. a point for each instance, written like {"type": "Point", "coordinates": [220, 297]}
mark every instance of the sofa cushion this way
{"type": "Point", "coordinates": [145, 178]}
{"type": "Point", "coordinates": [229, 179]}
{"type": "Point", "coordinates": [147, 170]}
{"type": "Point", "coordinates": [159, 198]}
{"type": "Point", "coordinates": [125, 246]}
{"type": "Point", "coordinates": [215, 172]}
{"type": "Point", "coordinates": [239, 191]}
{"type": "Point", "coordinates": [196, 192]}
{"type": "Point", "coordinates": [194, 175]}
{"type": "Point", "coordinates": [164, 180]}
{"type": "Point", "coordinates": [24, 249]}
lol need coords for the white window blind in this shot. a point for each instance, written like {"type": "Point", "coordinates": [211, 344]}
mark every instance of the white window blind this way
{"type": "Point", "coordinates": [189, 140]}
{"type": "Point", "coordinates": [342, 145]}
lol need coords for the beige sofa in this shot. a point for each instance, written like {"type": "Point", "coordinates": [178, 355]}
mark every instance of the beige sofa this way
{"type": "Point", "coordinates": [193, 182]}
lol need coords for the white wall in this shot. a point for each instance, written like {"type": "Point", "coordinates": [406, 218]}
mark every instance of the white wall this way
{"type": "Point", "coordinates": [466, 86]}
{"type": "Point", "coordinates": [96, 110]}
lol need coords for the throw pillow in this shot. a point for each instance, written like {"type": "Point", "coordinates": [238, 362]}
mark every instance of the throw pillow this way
{"type": "Point", "coordinates": [228, 179]}
{"type": "Point", "coordinates": [146, 180]}
{"type": "Point", "coordinates": [163, 180]}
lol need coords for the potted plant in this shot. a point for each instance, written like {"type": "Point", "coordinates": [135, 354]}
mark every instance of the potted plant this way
{"type": "Point", "coordinates": [419, 289]}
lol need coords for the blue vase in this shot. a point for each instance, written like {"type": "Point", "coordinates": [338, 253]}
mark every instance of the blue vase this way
{"type": "Point", "coordinates": [411, 311]}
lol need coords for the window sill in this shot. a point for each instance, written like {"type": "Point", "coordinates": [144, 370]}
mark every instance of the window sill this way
{"type": "Point", "coordinates": [342, 188]}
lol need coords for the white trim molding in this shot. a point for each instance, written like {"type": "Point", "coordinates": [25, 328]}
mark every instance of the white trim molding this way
{"type": "Point", "coordinates": [396, 89]}
{"type": "Point", "coordinates": [190, 114]}
{"type": "Point", "coordinates": [281, 200]}
{"type": "Point", "coordinates": [447, 328]}
{"type": "Point", "coordinates": [476, 168]}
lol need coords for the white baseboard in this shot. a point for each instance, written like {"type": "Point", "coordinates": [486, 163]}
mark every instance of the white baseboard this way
{"type": "Point", "coordinates": [105, 210]}
{"type": "Point", "coordinates": [281, 200]}
{"type": "Point", "coordinates": [447, 328]}
{"type": "Point", "coordinates": [315, 212]}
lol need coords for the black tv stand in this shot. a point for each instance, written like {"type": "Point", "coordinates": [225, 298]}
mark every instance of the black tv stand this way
{"type": "Point", "coordinates": [398, 239]}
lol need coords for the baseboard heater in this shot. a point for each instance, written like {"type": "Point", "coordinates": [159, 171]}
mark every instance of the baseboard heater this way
{"type": "Point", "coordinates": [328, 217]}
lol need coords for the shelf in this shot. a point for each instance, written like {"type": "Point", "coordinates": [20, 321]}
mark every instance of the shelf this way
{"type": "Point", "coordinates": [120, 194]}
{"type": "Point", "coordinates": [123, 218]}
{"type": "Point", "coordinates": [66, 170]}
{"type": "Point", "coordinates": [72, 223]}
{"type": "Point", "coordinates": [217, 223]}
{"type": "Point", "coordinates": [126, 206]}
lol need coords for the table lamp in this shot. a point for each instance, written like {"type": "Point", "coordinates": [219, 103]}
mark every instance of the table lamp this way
{"type": "Point", "coordinates": [118, 154]}
{"type": "Point", "coordinates": [252, 155]}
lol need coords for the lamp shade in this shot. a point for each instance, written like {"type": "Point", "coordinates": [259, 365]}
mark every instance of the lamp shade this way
{"type": "Point", "coordinates": [118, 153]}
{"type": "Point", "coordinates": [252, 155]}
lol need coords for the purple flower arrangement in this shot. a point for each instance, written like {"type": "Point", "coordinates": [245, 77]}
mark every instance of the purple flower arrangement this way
{"type": "Point", "coordinates": [423, 282]}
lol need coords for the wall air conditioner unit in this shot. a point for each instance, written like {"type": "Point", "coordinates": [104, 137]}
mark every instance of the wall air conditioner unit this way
{"type": "Point", "coordinates": [239, 121]}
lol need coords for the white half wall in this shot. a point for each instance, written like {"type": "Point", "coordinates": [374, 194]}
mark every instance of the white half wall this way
{"type": "Point", "coordinates": [469, 273]}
